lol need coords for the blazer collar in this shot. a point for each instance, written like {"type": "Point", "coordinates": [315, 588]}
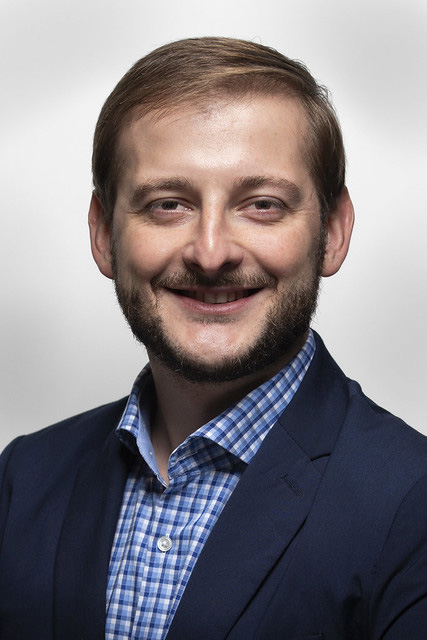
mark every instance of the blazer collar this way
{"type": "Point", "coordinates": [267, 508]}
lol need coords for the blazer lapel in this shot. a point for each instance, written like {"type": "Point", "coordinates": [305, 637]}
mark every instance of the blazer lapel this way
{"type": "Point", "coordinates": [84, 549]}
{"type": "Point", "coordinates": [267, 508]}
{"type": "Point", "coordinates": [264, 513]}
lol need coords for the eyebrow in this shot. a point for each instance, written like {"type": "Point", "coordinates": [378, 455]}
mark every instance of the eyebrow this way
{"type": "Point", "coordinates": [168, 184]}
{"type": "Point", "coordinates": [178, 183]}
{"type": "Point", "coordinates": [254, 182]}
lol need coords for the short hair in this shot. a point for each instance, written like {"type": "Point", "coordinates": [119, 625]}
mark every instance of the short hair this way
{"type": "Point", "coordinates": [196, 71]}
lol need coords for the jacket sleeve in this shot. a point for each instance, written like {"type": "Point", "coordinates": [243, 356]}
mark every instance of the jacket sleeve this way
{"type": "Point", "coordinates": [399, 608]}
{"type": "Point", "coordinates": [5, 488]}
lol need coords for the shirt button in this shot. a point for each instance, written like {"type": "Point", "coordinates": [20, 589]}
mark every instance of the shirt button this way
{"type": "Point", "coordinates": [164, 543]}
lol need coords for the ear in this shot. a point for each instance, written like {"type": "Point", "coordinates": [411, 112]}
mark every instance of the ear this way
{"type": "Point", "coordinates": [100, 237]}
{"type": "Point", "coordinates": [339, 226]}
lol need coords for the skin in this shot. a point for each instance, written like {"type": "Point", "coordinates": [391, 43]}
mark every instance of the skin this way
{"type": "Point", "coordinates": [188, 202]}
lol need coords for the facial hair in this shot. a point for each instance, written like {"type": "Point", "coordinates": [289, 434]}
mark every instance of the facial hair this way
{"type": "Point", "coordinates": [284, 324]}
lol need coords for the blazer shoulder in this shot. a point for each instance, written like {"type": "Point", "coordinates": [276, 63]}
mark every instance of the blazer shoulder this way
{"type": "Point", "coordinates": [371, 417]}
{"type": "Point", "coordinates": [74, 436]}
{"type": "Point", "coordinates": [370, 441]}
{"type": "Point", "coordinates": [378, 459]}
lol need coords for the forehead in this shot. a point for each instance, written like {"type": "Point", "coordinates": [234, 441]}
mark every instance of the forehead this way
{"type": "Point", "coordinates": [242, 135]}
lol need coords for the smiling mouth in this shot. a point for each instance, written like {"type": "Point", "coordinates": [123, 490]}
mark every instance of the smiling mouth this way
{"type": "Point", "coordinates": [220, 297]}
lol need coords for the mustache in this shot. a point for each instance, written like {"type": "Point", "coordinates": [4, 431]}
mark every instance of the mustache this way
{"type": "Point", "coordinates": [188, 279]}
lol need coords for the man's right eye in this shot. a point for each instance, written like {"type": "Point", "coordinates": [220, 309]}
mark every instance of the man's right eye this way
{"type": "Point", "coordinates": [167, 209]}
{"type": "Point", "coordinates": [168, 205]}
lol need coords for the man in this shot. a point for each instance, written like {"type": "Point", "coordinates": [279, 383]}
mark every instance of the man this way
{"type": "Point", "coordinates": [246, 488]}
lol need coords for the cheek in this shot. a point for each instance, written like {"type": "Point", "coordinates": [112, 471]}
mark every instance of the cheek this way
{"type": "Point", "coordinates": [144, 254]}
{"type": "Point", "coordinates": [290, 256]}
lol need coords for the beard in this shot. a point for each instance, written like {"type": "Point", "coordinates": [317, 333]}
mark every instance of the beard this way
{"type": "Point", "coordinates": [285, 323]}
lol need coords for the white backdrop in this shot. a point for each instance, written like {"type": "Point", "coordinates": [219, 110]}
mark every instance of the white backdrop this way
{"type": "Point", "coordinates": [64, 344]}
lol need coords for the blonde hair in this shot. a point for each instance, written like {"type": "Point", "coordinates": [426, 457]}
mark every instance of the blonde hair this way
{"type": "Point", "coordinates": [196, 70]}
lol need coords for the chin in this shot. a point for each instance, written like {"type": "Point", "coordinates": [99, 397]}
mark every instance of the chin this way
{"type": "Point", "coordinates": [282, 333]}
{"type": "Point", "coordinates": [267, 353]}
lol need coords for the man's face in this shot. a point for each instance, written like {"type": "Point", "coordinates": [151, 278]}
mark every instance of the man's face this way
{"type": "Point", "coordinates": [217, 240]}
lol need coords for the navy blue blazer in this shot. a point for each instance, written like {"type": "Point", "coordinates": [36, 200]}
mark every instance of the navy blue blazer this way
{"type": "Point", "coordinates": [325, 536]}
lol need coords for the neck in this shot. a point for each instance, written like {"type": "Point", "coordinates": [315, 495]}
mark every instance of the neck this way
{"type": "Point", "coordinates": [183, 406]}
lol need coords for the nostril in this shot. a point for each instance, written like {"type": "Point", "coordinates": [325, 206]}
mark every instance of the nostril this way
{"type": "Point", "coordinates": [213, 248]}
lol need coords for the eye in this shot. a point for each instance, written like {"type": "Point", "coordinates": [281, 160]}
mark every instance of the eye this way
{"type": "Point", "coordinates": [268, 209]}
{"type": "Point", "coordinates": [167, 209]}
{"type": "Point", "coordinates": [265, 205]}
{"type": "Point", "coordinates": [167, 205]}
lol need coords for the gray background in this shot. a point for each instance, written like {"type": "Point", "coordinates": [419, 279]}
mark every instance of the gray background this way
{"type": "Point", "coordinates": [64, 344]}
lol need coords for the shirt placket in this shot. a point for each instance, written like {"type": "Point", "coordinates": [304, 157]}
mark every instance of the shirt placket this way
{"type": "Point", "coordinates": [160, 568]}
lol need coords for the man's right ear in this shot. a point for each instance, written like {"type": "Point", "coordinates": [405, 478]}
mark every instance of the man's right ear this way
{"type": "Point", "coordinates": [100, 237]}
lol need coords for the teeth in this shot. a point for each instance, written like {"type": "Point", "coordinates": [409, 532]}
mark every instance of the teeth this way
{"type": "Point", "coordinates": [211, 298]}
{"type": "Point", "coordinates": [217, 298]}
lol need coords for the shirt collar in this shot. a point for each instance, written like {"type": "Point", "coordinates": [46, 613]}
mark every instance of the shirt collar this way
{"type": "Point", "coordinates": [240, 429]}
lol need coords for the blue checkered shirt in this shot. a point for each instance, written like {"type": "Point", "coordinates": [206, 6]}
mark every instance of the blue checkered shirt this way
{"type": "Point", "coordinates": [162, 528]}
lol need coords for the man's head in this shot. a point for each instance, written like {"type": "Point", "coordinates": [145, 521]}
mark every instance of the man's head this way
{"type": "Point", "coordinates": [212, 210]}
{"type": "Point", "coordinates": [195, 71]}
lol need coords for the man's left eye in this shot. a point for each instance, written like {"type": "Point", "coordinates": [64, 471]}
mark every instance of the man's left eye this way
{"type": "Point", "coordinates": [265, 204]}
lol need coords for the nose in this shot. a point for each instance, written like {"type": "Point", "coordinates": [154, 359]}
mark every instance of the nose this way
{"type": "Point", "coordinates": [213, 247]}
